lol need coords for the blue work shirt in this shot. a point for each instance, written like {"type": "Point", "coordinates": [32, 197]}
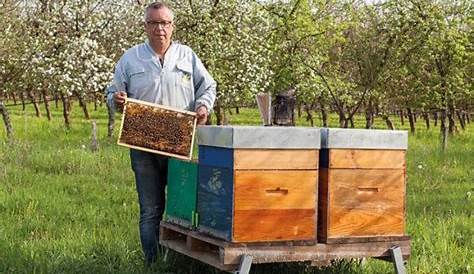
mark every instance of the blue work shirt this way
{"type": "Point", "coordinates": [182, 81]}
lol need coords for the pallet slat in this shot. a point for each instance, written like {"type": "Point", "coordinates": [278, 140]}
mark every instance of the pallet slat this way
{"type": "Point", "coordinates": [226, 256]}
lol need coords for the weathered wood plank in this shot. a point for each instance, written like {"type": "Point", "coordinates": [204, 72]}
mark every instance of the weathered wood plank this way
{"type": "Point", "coordinates": [181, 191]}
{"type": "Point", "coordinates": [215, 200]}
{"type": "Point", "coordinates": [361, 203]}
{"type": "Point", "coordinates": [274, 225]}
{"type": "Point", "coordinates": [355, 222]}
{"type": "Point", "coordinates": [323, 210]}
{"type": "Point", "coordinates": [216, 156]}
{"type": "Point", "coordinates": [208, 257]}
{"type": "Point", "coordinates": [352, 240]}
{"type": "Point", "coordinates": [373, 190]}
{"type": "Point", "coordinates": [365, 158]}
{"type": "Point", "coordinates": [276, 159]}
{"type": "Point", "coordinates": [226, 256]}
{"type": "Point", "coordinates": [275, 189]}
{"type": "Point", "coordinates": [319, 252]}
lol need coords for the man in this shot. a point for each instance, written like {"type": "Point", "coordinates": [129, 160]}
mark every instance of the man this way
{"type": "Point", "coordinates": [163, 72]}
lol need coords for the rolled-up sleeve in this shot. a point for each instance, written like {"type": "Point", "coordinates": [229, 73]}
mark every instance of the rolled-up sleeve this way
{"type": "Point", "coordinates": [204, 85]}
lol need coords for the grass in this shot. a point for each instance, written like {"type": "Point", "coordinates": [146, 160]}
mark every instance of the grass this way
{"type": "Point", "coordinates": [65, 209]}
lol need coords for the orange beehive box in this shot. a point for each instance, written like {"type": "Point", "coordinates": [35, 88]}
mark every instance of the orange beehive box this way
{"type": "Point", "coordinates": [362, 185]}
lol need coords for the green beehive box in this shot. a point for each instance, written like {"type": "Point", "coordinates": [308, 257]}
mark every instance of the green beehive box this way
{"type": "Point", "coordinates": [181, 192]}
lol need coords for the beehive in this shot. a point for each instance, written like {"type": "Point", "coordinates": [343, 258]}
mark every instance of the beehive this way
{"type": "Point", "coordinates": [362, 184]}
{"type": "Point", "coordinates": [157, 129]}
{"type": "Point", "coordinates": [181, 192]}
{"type": "Point", "coordinates": [258, 183]}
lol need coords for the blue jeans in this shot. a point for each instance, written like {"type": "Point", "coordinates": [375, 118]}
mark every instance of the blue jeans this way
{"type": "Point", "coordinates": [150, 176]}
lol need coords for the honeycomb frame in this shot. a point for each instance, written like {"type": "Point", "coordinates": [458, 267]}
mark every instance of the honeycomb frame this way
{"type": "Point", "coordinates": [157, 129]}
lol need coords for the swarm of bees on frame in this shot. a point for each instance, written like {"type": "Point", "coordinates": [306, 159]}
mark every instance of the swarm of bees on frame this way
{"type": "Point", "coordinates": [157, 129]}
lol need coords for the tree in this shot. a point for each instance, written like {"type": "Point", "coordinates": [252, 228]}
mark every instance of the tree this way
{"type": "Point", "coordinates": [230, 38]}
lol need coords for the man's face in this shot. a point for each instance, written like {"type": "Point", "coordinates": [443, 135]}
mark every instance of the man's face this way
{"type": "Point", "coordinates": [159, 26]}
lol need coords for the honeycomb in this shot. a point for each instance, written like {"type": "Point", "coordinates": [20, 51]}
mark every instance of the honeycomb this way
{"type": "Point", "coordinates": [157, 129]}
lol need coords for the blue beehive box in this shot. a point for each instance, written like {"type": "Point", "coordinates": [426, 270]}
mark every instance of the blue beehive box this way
{"type": "Point", "coordinates": [252, 178]}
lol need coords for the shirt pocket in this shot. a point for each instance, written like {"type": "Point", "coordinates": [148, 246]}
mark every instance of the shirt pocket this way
{"type": "Point", "coordinates": [139, 81]}
{"type": "Point", "coordinates": [184, 96]}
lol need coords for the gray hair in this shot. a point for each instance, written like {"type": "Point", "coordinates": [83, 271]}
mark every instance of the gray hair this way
{"type": "Point", "coordinates": [156, 6]}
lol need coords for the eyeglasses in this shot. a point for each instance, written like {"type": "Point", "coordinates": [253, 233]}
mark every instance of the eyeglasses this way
{"type": "Point", "coordinates": [156, 24]}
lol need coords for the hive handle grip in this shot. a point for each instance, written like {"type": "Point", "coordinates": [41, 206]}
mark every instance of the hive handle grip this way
{"type": "Point", "coordinates": [277, 191]}
{"type": "Point", "coordinates": [368, 189]}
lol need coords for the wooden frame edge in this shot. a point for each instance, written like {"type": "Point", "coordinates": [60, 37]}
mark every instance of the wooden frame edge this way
{"type": "Point", "coordinates": [190, 155]}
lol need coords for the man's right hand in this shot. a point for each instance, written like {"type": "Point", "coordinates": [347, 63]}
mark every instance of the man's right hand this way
{"type": "Point", "coordinates": [119, 99]}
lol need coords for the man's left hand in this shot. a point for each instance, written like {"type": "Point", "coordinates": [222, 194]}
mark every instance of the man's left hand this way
{"type": "Point", "coordinates": [202, 114]}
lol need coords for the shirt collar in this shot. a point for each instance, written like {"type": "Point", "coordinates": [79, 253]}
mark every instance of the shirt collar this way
{"type": "Point", "coordinates": [152, 51]}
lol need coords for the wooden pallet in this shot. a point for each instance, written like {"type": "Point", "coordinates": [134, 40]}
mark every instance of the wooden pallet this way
{"type": "Point", "coordinates": [227, 256]}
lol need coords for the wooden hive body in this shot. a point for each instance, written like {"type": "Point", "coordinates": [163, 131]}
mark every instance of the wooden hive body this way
{"type": "Point", "coordinates": [181, 194]}
{"type": "Point", "coordinates": [362, 185]}
{"type": "Point", "coordinates": [267, 192]}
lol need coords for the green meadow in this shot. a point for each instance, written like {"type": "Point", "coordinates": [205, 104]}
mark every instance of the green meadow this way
{"type": "Point", "coordinates": [66, 209]}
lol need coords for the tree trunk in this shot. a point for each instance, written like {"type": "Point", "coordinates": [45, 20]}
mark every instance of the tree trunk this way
{"type": "Point", "coordinates": [111, 121]}
{"type": "Point", "coordinates": [435, 118]}
{"type": "Point", "coordinates": [6, 121]}
{"type": "Point", "coordinates": [342, 120]}
{"type": "Point", "coordinates": [324, 116]}
{"type": "Point", "coordinates": [95, 104]}
{"type": "Point", "coordinates": [426, 116]}
{"type": "Point", "coordinates": [369, 116]}
{"type": "Point", "coordinates": [14, 98]}
{"type": "Point", "coordinates": [388, 122]}
{"type": "Point", "coordinates": [83, 105]}
{"type": "Point", "coordinates": [443, 131]}
{"type": "Point", "coordinates": [411, 119]}
{"type": "Point", "coordinates": [56, 99]}
{"type": "Point", "coordinates": [351, 121]}
{"type": "Point", "coordinates": [237, 110]}
{"type": "Point", "coordinates": [402, 118]}
{"type": "Point", "coordinates": [46, 104]}
{"type": "Point", "coordinates": [65, 101]}
{"type": "Point", "coordinates": [309, 116]}
{"type": "Point", "coordinates": [369, 119]}
{"type": "Point", "coordinates": [219, 113]}
{"type": "Point", "coordinates": [35, 103]}
{"type": "Point", "coordinates": [461, 119]}
{"type": "Point", "coordinates": [452, 123]}
{"type": "Point", "coordinates": [345, 123]}
{"type": "Point", "coordinates": [468, 117]}
{"type": "Point", "coordinates": [22, 98]}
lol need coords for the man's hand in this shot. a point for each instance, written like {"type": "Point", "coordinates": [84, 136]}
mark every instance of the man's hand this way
{"type": "Point", "coordinates": [202, 114]}
{"type": "Point", "coordinates": [119, 99]}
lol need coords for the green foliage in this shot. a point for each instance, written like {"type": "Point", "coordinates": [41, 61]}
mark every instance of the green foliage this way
{"type": "Point", "coordinates": [231, 39]}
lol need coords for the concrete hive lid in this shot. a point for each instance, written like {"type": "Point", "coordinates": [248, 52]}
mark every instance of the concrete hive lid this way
{"type": "Point", "coordinates": [259, 137]}
{"type": "Point", "coordinates": [364, 138]}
